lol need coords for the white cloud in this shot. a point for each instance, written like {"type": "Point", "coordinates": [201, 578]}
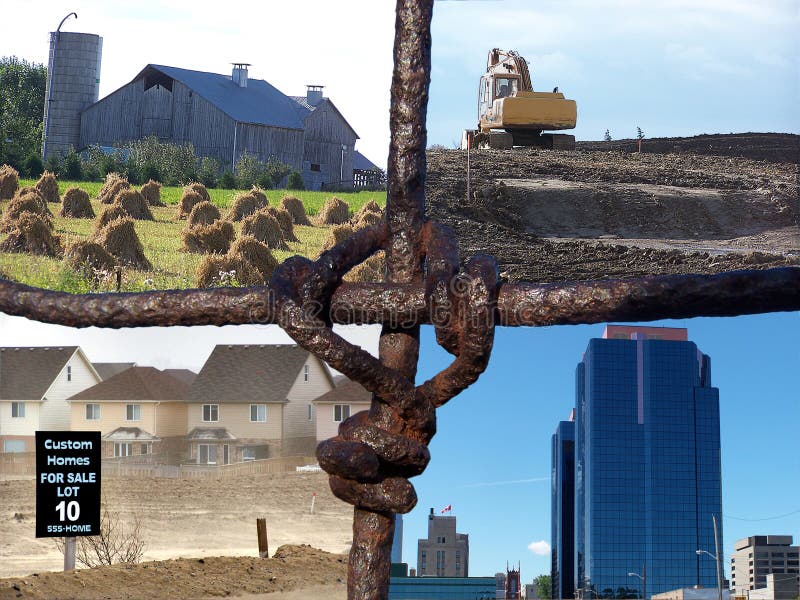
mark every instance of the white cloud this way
{"type": "Point", "coordinates": [540, 548]}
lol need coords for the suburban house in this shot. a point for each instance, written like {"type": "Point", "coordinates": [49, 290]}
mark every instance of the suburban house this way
{"type": "Point", "coordinates": [333, 407]}
{"type": "Point", "coordinates": [251, 402]}
{"type": "Point", "coordinates": [224, 116]}
{"type": "Point", "coordinates": [138, 411]}
{"type": "Point", "coordinates": [35, 383]}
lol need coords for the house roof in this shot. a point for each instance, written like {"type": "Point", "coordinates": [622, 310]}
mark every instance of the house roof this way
{"type": "Point", "coordinates": [304, 109]}
{"type": "Point", "coordinates": [346, 392]}
{"type": "Point", "coordinates": [362, 163]}
{"type": "Point", "coordinates": [259, 103]}
{"type": "Point", "coordinates": [248, 373]}
{"type": "Point", "coordinates": [184, 375]}
{"type": "Point", "coordinates": [210, 433]}
{"type": "Point", "coordinates": [136, 383]}
{"type": "Point", "coordinates": [130, 434]}
{"type": "Point", "coordinates": [27, 373]}
{"type": "Point", "coordinates": [106, 370]}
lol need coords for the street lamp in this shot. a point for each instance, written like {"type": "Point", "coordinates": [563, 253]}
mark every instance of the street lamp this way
{"type": "Point", "coordinates": [643, 577]}
{"type": "Point", "coordinates": [717, 557]}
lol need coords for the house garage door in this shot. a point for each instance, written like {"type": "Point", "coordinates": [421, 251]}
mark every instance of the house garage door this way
{"type": "Point", "coordinates": [14, 446]}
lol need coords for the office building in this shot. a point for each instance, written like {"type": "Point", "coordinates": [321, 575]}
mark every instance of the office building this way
{"type": "Point", "coordinates": [562, 537]}
{"type": "Point", "coordinates": [757, 556]}
{"type": "Point", "coordinates": [441, 588]}
{"type": "Point", "coordinates": [647, 465]}
{"type": "Point", "coordinates": [397, 540]}
{"type": "Point", "coordinates": [445, 553]}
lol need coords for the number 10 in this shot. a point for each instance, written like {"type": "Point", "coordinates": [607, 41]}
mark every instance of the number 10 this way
{"type": "Point", "coordinates": [72, 510]}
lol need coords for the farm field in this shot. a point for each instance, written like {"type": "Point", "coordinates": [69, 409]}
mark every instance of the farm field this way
{"type": "Point", "coordinates": [173, 268]}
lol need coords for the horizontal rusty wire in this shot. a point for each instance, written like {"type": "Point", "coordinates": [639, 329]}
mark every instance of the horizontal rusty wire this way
{"type": "Point", "coordinates": [518, 304]}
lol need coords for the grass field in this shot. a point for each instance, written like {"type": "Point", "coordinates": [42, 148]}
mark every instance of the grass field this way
{"type": "Point", "coordinates": [161, 239]}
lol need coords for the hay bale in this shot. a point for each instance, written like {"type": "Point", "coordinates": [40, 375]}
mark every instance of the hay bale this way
{"type": "Point", "coordinates": [26, 200]}
{"type": "Point", "coordinates": [75, 204]}
{"type": "Point", "coordinates": [366, 219]}
{"type": "Point", "coordinates": [32, 233]}
{"type": "Point", "coordinates": [265, 228]}
{"type": "Point", "coordinates": [337, 234]}
{"type": "Point", "coordinates": [335, 212]}
{"type": "Point", "coordinates": [245, 205]}
{"type": "Point", "coordinates": [260, 195]}
{"type": "Point", "coordinates": [113, 184]}
{"type": "Point", "coordinates": [110, 213]}
{"type": "Point", "coordinates": [249, 249]}
{"type": "Point", "coordinates": [134, 204]}
{"type": "Point", "coordinates": [285, 220]}
{"type": "Point", "coordinates": [369, 207]}
{"type": "Point", "coordinates": [48, 187]}
{"type": "Point", "coordinates": [372, 269]}
{"type": "Point", "coordinates": [297, 210]}
{"type": "Point", "coordinates": [188, 201]}
{"type": "Point", "coordinates": [197, 188]}
{"type": "Point", "coordinates": [203, 213]}
{"type": "Point", "coordinates": [89, 257]}
{"type": "Point", "coordinates": [215, 270]}
{"type": "Point", "coordinates": [9, 182]}
{"type": "Point", "coordinates": [119, 239]}
{"type": "Point", "coordinates": [151, 191]}
{"type": "Point", "coordinates": [214, 238]}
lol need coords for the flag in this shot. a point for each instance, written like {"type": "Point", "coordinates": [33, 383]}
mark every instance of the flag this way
{"type": "Point", "coordinates": [446, 509]}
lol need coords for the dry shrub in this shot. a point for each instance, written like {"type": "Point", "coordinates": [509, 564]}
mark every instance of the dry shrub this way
{"type": "Point", "coordinates": [294, 206]}
{"type": "Point", "coordinates": [134, 204]}
{"type": "Point", "coordinates": [9, 182]}
{"type": "Point", "coordinates": [189, 199]}
{"type": "Point", "coordinates": [197, 188]}
{"type": "Point", "coordinates": [27, 200]}
{"type": "Point", "coordinates": [113, 184]}
{"type": "Point", "coordinates": [89, 257]}
{"type": "Point", "coordinates": [366, 219]}
{"type": "Point", "coordinates": [119, 239]}
{"type": "Point", "coordinates": [115, 211]}
{"type": "Point", "coordinates": [249, 249]}
{"type": "Point", "coordinates": [116, 543]}
{"type": "Point", "coordinates": [203, 213]}
{"type": "Point", "coordinates": [151, 191]}
{"type": "Point", "coordinates": [372, 269]}
{"type": "Point", "coordinates": [214, 238]}
{"type": "Point", "coordinates": [265, 228]}
{"type": "Point", "coordinates": [223, 270]}
{"type": "Point", "coordinates": [245, 205]}
{"type": "Point", "coordinates": [75, 204]}
{"type": "Point", "coordinates": [284, 220]}
{"type": "Point", "coordinates": [34, 234]}
{"type": "Point", "coordinates": [335, 212]}
{"type": "Point", "coordinates": [48, 187]}
{"type": "Point", "coordinates": [337, 234]}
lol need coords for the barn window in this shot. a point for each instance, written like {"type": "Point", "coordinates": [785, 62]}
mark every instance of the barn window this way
{"type": "Point", "coordinates": [316, 168]}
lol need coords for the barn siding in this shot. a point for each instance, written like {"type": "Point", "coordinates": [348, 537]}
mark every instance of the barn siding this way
{"type": "Point", "coordinates": [114, 119]}
{"type": "Point", "coordinates": [325, 132]}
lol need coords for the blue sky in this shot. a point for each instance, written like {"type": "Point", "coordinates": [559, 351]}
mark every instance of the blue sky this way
{"type": "Point", "coordinates": [675, 67]}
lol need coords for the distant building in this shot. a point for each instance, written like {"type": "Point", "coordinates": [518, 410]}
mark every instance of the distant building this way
{"type": "Point", "coordinates": [532, 592]}
{"type": "Point", "coordinates": [513, 590]}
{"type": "Point", "coordinates": [445, 553]}
{"type": "Point", "coordinates": [692, 594]}
{"type": "Point", "coordinates": [499, 586]}
{"type": "Point", "coordinates": [757, 556]}
{"type": "Point", "coordinates": [397, 541]}
{"type": "Point", "coordinates": [647, 466]}
{"type": "Point", "coordinates": [780, 586]}
{"type": "Point", "coordinates": [562, 573]}
{"type": "Point", "coordinates": [441, 588]}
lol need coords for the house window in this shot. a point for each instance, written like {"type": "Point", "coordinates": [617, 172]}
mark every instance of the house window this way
{"type": "Point", "coordinates": [258, 413]}
{"type": "Point", "coordinates": [310, 412]}
{"type": "Point", "coordinates": [92, 412]}
{"type": "Point", "coordinates": [305, 373]}
{"type": "Point", "coordinates": [122, 449]}
{"type": "Point", "coordinates": [458, 561]}
{"type": "Point", "coordinates": [341, 412]}
{"type": "Point", "coordinates": [207, 453]}
{"type": "Point", "coordinates": [226, 454]}
{"type": "Point", "coordinates": [133, 412]}
{"type": "Point", "coordinates": [316, 168]}
{"type": "Point", "coordinates": [211, 413]}
{"type": "Point", "coordinates": [248, 453]}
{"type": "Point", "coordinates": [69, 373]}
{"type": "Point", "coordinates": [422, 560]}
{"type": "Point", "coordinates": [146, 448]}
{"type": "Point", "coordinates": [18, 410]}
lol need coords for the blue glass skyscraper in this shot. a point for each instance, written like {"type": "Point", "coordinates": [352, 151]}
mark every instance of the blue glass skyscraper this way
{"type": "Point", "coordinates": [562, 574]}
{"type": "Point", "coordinates": [647, 464]}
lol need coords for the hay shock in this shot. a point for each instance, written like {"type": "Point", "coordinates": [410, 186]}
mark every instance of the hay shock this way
{"type": "Point", "coordinates": [375, 452]}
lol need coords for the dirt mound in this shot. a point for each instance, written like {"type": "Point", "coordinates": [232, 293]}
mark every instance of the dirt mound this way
{"type": "Point", "coordinates": [203, 213]}
{"type": "Point", "coordinates": [285, 220]}
{"type": "Point", "coordinates": [48, 187]}
{"type": "Point", "coordinates": [334, 212]}
{"type": "Point", "coordinates": [9, 182]}
{"type": "Point", "coordinates": [214, 238]}
{"type": "Point", "coordinates": [33, 234]}
{"type": "Point", "coordinates": [75, 204]}
{"type": "Point", "coordinates": [152, 193]}
{"type": "Point", "coordinates": [265, 228]}
{"type": "Point", "coordinates": [113, 184]}
{"type": "Point", "coordinates": [295, 207]}
{"type": "Point", "coordinates": [119, 239]}
{"type": "Point", "coordinates": [291, 568]}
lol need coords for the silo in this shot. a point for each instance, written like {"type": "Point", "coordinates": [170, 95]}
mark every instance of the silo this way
{"type": "Point", "coordinates": [73, 83]}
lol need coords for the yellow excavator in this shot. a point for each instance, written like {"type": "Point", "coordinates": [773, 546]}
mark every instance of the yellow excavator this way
{"type": "Point", "coordinates": [510, 113]}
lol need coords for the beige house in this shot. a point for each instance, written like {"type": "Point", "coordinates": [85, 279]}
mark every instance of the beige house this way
{"type": "Point", "coordinates": [35, 383]}
{"type": "Point", "coordinates": [252, 402]}
{"type": "Point", "coordinates": [138, 411]}
{"type": "Point", "coordinates": [347, 398]}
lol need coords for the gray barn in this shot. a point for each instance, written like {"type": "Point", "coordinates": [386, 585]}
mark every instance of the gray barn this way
{"type": "Point", "coordinates": [224, 116]}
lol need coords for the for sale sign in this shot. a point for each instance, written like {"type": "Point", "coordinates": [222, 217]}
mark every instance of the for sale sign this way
{"type": "Point", "coordinates": [67, 483]}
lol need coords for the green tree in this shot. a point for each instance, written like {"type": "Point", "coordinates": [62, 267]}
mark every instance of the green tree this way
{"type": "Point", "coordinates": [639, 133]}
{"type": "Point", "coordinates": [22, 88]}
{"type": "Point", "coordinates": [543, 587]}
{"type": "Point", "coordinates": [607, 136]}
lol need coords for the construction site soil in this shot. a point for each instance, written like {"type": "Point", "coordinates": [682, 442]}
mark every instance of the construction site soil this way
{"type": "Point", "coordinates": [553, 216]}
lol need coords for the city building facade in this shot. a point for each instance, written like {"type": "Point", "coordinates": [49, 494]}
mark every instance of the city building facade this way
{"type": "Point", "coordinates": [562, 575]}
{"type": "Point", "coordinates": [445, 553]}
{"type": "Point", "coordinates": [647, 465]}
{"type": "Point", "coordinates": [757, 556]}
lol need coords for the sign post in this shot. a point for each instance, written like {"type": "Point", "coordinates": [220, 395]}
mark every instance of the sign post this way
{"type": "Point", "coordinates": [68, 473]}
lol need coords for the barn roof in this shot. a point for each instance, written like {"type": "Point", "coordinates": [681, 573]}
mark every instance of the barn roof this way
{"type": "Point", "coordinates": [259, 103]}
{"type": "Point", "coordinates": [304, 108]}
{"type": "Point", "coordinates": [362, 163]}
